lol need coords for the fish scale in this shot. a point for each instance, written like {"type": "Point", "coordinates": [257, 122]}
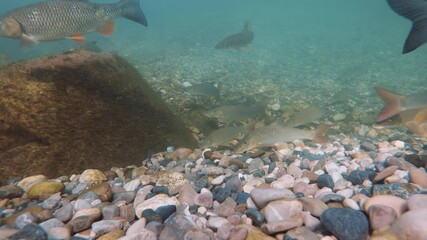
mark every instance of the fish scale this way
{"type": "Point", "coordinates": [58, 19]}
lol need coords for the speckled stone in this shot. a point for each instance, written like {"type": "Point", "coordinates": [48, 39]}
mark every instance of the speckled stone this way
{"type": "Point", "coordinates": [103, 190]}
{"type": "Point", "coordinates": [92, 176]}
{"type": "Point", "coordinates": [338, 220]}
{"type": "Point", "coordinates": [357, 177]}
{"type": "Point", "coordinates": [28, 182]}
{"type": "Point", "coordinates": [402, 190]}
{"type": "Point", "coordinates": [10, 192]}
{"type": "Point", "coordinates": [30, 231]}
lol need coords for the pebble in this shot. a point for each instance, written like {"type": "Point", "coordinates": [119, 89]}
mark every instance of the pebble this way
{"type": "Point", "coordinates": [337, 220]}
{"type": "Point", "coordinates": [65, 213]}
{"type": "Point", "coordinates": [381, 216]}
{"type": "Point", "coordinates": [30, 231]}
{"type": "Point", "coordinates": [283, 225]}
{"type": "Point", "coordinates": [28, 182]}
{"type": "Point", "coordinates": [411, 225]}
{"type": "Point", "coordinates": [315, 206]}
{"type": "Point", "coordinates": [280, 210]}
{"type": "Point", "coordinates": [155, 202]}
{"type": "Point", "coordinates": [325, 180]}
{"type": "Point", "coordinates": [45, 188]}
{"type": "Point", "coordinates": [417, 201]}
{"type": "Point", "coordinates": [11, 192]}
{"type": "Point", "coordinates": [256, 216]}
{"type": "Point", "coordinates": [262, 197]}
{"type": "Point", "coordinates": [398, 204]}
{"type": "Point", "coordinates": [386, 172]}
{"type": "Point", "coordinates": [418, 176]}
{"type": "Point", "coordinates": [92, 176]}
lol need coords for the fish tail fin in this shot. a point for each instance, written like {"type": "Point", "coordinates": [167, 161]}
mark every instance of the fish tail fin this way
{"type": "Point", "coordinates": [320, 134]}
{"type": "Point", "coordinates": [132, 11]}
{"type": "Point", "coordinates": [416, 128]}
{"type": "Point", "coordinates": [247, 27]}
{"type": "Point", "coordinates": [392, 104]}
{"type": "Point", "coordinates": [416, 11]}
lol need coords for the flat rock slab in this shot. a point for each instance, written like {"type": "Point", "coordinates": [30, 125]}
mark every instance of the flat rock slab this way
{"type": "Point", "coordinates": [62, 114]}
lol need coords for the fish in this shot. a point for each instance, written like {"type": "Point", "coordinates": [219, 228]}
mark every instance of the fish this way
{"type": "Point", "coordinates": [208, 89]}
{"type": "Point", "coordinates": [237, 112]}
{"type": "Point", "coordinates": [416, 11]}
{"type": "Point", "coordinates": [306, 115]}
{"type": "Point", "coordinates": [238, 40]}
{"type": "Point", "coordinates": [396, 103]}
{"type": "Point", "coordinates": [415, 120]}
{"type": "Point", "coordinates": [222, 137]}
{"type": "Point", "coordinates": [274, 133]}
{"type": "Point", "coordinates": [61, 19]}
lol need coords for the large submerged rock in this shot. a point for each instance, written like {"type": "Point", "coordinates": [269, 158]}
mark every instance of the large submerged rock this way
{"type": "Point", "coordinates": [66, 113]}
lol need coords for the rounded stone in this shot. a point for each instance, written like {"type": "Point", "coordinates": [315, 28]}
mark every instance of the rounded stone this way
{"type": "Point", "coordinates": [10, 192]}
{"type": "Point", "coordinates": [154, 203]}
{"type": "Point", "coordinates": [28, 182]}
{"type": "Point", "coordinates": [325, 180]}
{"type": "Point", "coordinates": [417, 201]}
{"type": "Point", "coordinates": [92, 176]}
{"type": "Point", "coordinates": [220, 194]}
{"type": "Point", "coordinates": [411, 225]}
{"type": "Point", "coordinates": [398, 204]}
{"type": "Point", "coordinates": [313, 205]}
{"type": "Point", "coordinates": [418, 176]}
{"type": "Point", "coordinates": [381, 216]}
{"type": "Point", "coordinates": [262, 197]}
{"type": "Point", "coordinates": [256, 216]}
{"type": "Point", "coordinates": [45, 188]}
{"type": "Point", "coordinates": [357, 177]}
{"type": "Point", "coordinates": [338, 220]}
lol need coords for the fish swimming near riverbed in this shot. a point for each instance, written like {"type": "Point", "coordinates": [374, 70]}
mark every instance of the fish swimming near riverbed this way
{"type": "Point", "coordinates": [238, 40]}
{"type": "Point", "coordinates": [395, 103]}
{"type": "Point", "coordinates": [59, 19]}
{"type": "Point", "coordinates": [269, 135]}
{"type": "Point", "coordinates": [306, 115]}
{"type": "Point", "coordinates": [416, 11]}
{"type": "Point", "coordinates": [415, 120]}
{"type": "Point", "coordinates": [235, 113]}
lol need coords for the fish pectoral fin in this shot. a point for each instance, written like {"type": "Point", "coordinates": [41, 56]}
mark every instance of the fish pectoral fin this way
{"type": "Point", "coordinates": [107, 29]}
{"type": "Point", "coordinates": [79, 38]}
{"type": "Point", "coordinates": [28, 41]}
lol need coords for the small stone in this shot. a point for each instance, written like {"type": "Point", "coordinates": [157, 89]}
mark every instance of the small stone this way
{"type": "Point", "coordinates": [204, 199]}
{"type": "Point", "coordinates": [155, 202]}
{"type": "Point", "coordinates": [368, 146]}
{"type": "Point", "coordinates": [81, 204]}
{"type": "Point", "coordinates": [226, 208]}
{"type": "Point", "coordinates": [386, 172]}
{"type": "Point", "coordinates": [234, 184]}
{"type": "Point", "coordinates": [411, 225]}
{"type": "Point", "coordinates": [51, 223]}
{"type": "Point", "coordinates": [216, 222]}
{"type": "Point", "coordinates": [142, 234]}
{"type": "Point", "coordinates": [187, 194]}
{"type": "Point", "coordinates": [92, 176]}
{"type": "Point", "coordinates": [24, 219]}
{"type": "Point", "coordinates": [332, 198]}
{"type": "Point", "coordinates": [301, 233]}
{"type": "Point", "coordinates": [103, 190]}
{"type": "Point", "coordinates": [58, 233]}
{"type": "Point", "coordinates": [280, 210]}
{"type": "Point", "coordinates": [132, 185]}
{"type": "Point", "coordinates": [166, 211]}
{"type": "Point", "coordinates": [315, 206]}
{"type": "Point", "coordinates": [30, 231]}
{"type": "Point", "coordinates": [284, 182]}
{"type": "Point", "coordinates": [151, 216]}
{"type": "Point", "coordinates": [418, 176]}
{"type": "Point", "coordinates": [402, 190]}
{"type": "Point", "coordinates": [381, 216]}
{"type": "Point", "coordinates": [65, 213]}
{"type": "Point", "coordinates": [83, 219]}
{"type": "Point", "coordinates": [253, 233]}
{"type": "Point", "coordinates": [310, 222]}
{"type": "Point", "coordinates": [357, 177]}
{"type": "Point", "coordinates": [127, 197]}
{"type": "Point", "coordinates": [280, 226]}
{"type": "Point", "coordinates": [105, 226]}
{"type": "Point", "coordinates": [11, 192]}
{"type": "Point", "coordinates": [262, 197]}
{"type": "Point", "coordinates": [338, 220]}
{"type": "Point", "coordinates": [136, 226]}
{"type": "Point", "coordinates": [350, 203]}
{"type": "Point", "coordinates": [325, 180]}
{"type": "Point", "coordinates": [127, 211]}
{"type": "Point", "coordinates": [111, 211]}
{"type": "Point", "coordinates": [220, 194]}
{"type": "Point", "coordinates": [113, 235]}
{"type": "Point", "coordinates": [238, 233]}
{"type": "Point", "coordinates": [218, 180]}
{"type": "Point", "coordinates": [52, 202]}
{"type": "Point", "coordinates": [45, 188]}
{"type": "Point", "coordinates": [256, 216]}
{"type": "Point", "coordinates": [28, 182]}
{"type": "Point", "coordinates": [339, 117]}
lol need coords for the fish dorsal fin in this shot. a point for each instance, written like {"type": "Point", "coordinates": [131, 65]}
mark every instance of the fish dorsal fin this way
{"type": "Point", "coordinates": [108, 28]}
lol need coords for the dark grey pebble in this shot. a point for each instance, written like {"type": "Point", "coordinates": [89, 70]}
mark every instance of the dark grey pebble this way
{"type": "Point", "coordinates": [166, 211]}
{"type": "Point", "coordinates": [149, 195]}
{"type": "Point", "coordinates": [325, 180]}
{"type": "Point", "coordinates": [348, 147]}
{"type": "Point", "coordinates": [10, 192]}
{"type": "Point", "coordinates": [160, 189]}
{"type": "Point", "coordinates": [258, 173]}
{"type": "Point", "coordinates": [234, 184]}
{"type": "Point", "coordinates": [30, 231]}
{"type": "Point", "coordinates": [200, 183]}
{"type": "Point", "coordinates": [220, 194]}
{"type": "Point", "coordinates": [345, 223]}
{"type": "Point", "coordinates": [128, 197]}
{"type": "Point", "coordinates": [357, 177]}
{"type": "Point", "coordinates": [151, 215]}
{"type": "Point", "coordinates": [332, 198]}
{"type": "Point", "coordinates": [368, 146]}
{"type": "Point", "coordinates": [111, 211]}
{"type": "Point", "coordinates": [242, 197]}
{"type": "Point", "coordinates": [256, 216]}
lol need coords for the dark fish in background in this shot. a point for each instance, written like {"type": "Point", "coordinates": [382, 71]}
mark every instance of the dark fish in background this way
{"type": "Point", "coordinates": [395, 103]}
{"type": "Point", "coordinates": [416, 11]}
{"type": "Point", "coordinates": [59, 19]}
{"type": "Point", "coordinates": [237, 40]}
{"type": "Point", "coordinates": [208, 89]}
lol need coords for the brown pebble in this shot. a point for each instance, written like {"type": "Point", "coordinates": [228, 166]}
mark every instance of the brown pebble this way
{"type": "Point", "coordinates": [388, 171]}
{"type": "Point", "coordinates": [417, 201]}
{"type": "Point", "coordinates": [310, 175]}
{"type": "Point", "coordinates": [238, 233]}
{"type": "Point", "coordinates": [418, 176]}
